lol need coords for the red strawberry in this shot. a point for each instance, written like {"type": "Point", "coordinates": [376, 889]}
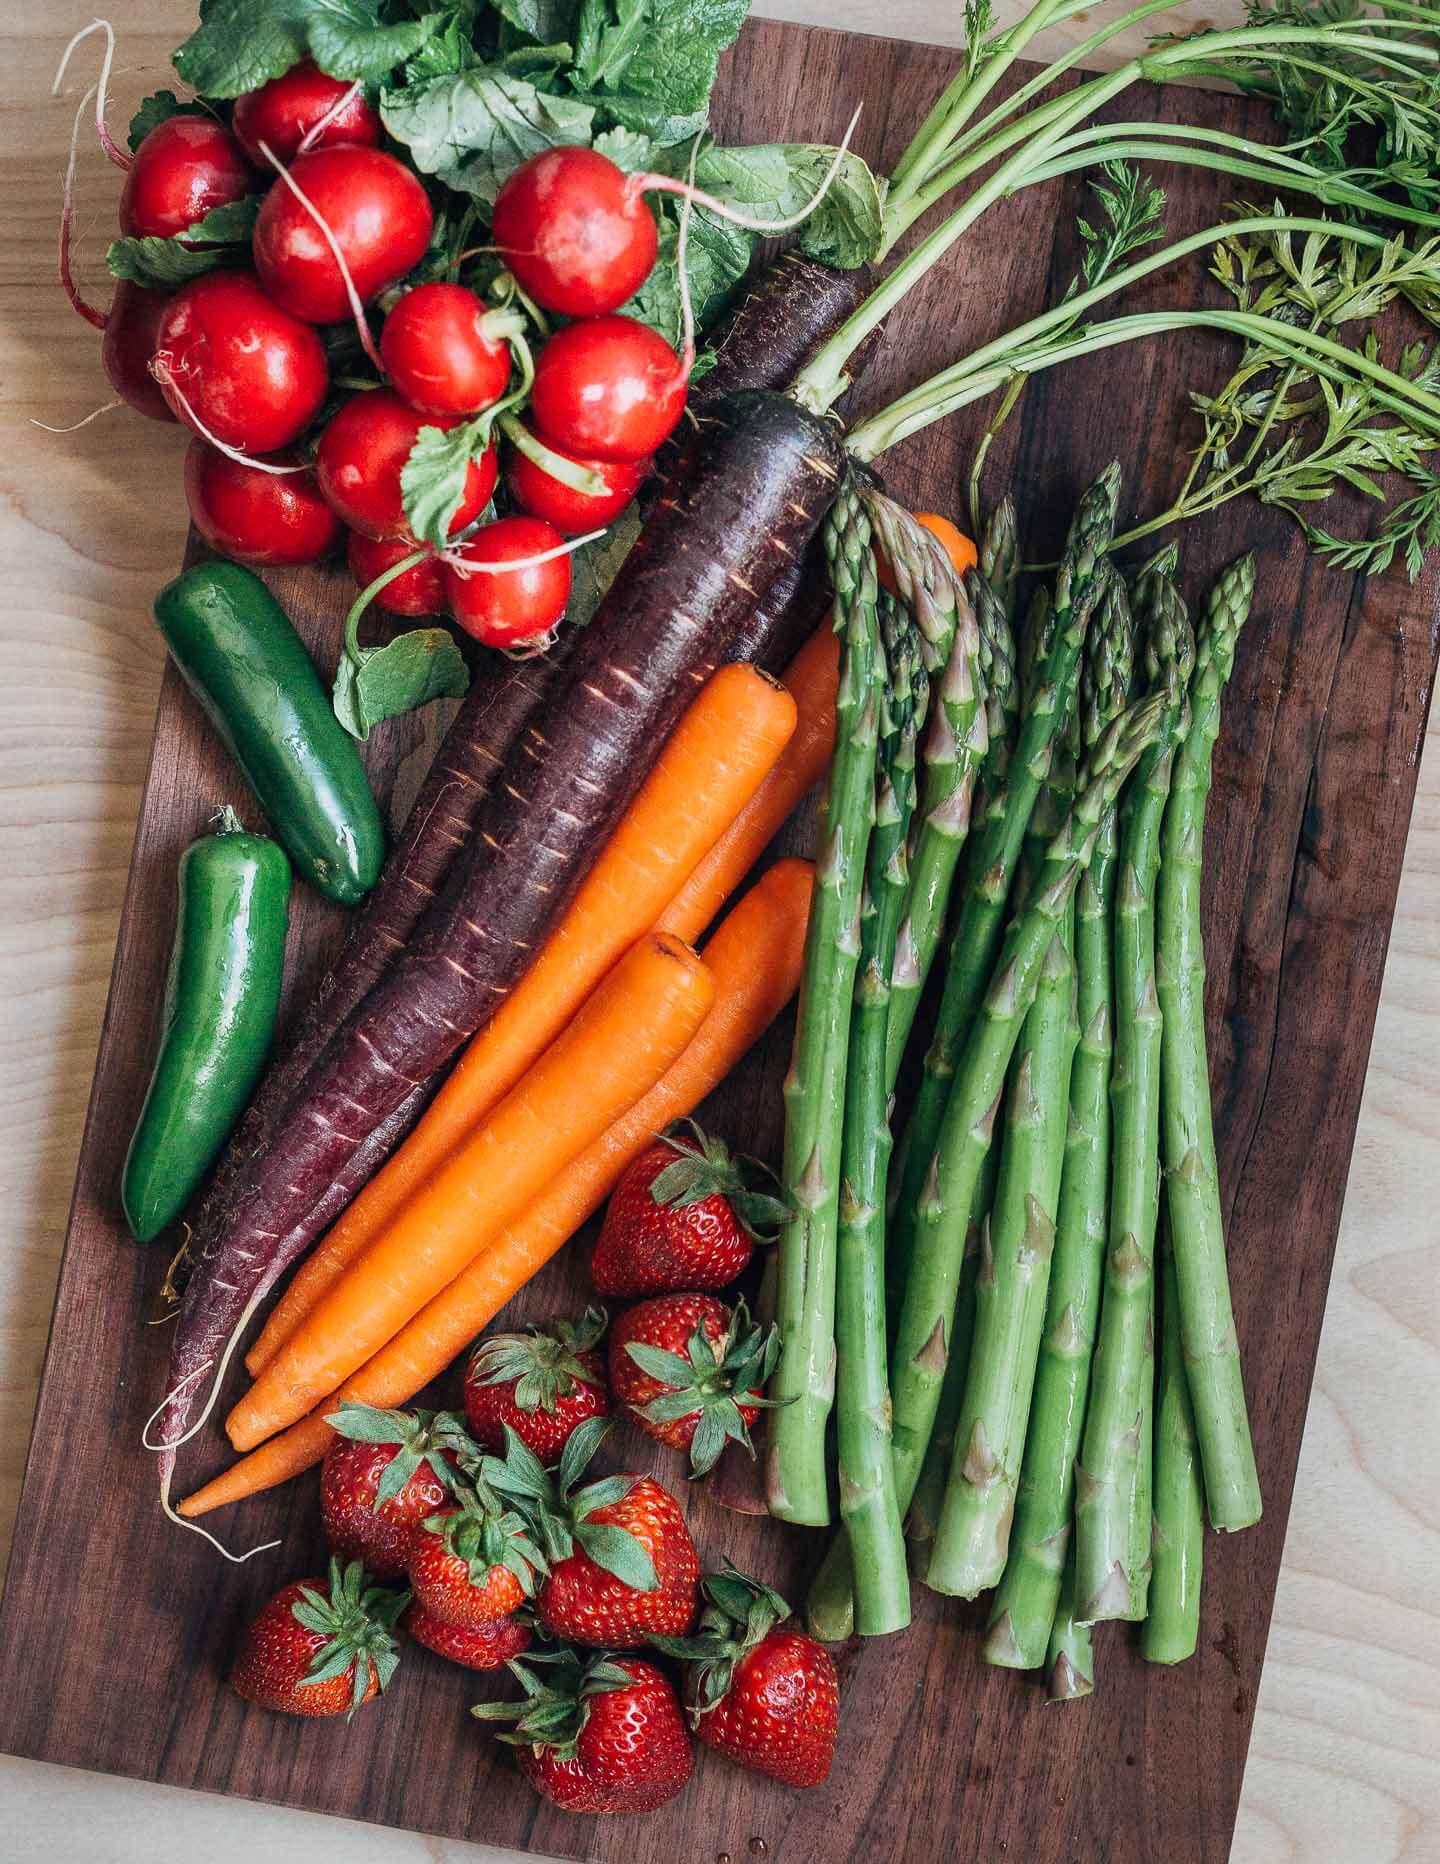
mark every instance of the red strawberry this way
{"type": "Point", "coordinates": [690, 1372]}
{"type": "Point", "coordinates": [321, 1646]}
{"type": "Point", "coordinates": [757, 1689]}
{"type": "Point", "coordinates": [542, 1383]}
{"type": "Point", "coordinates": [684, 1215]}
{"type": "Point", "coordinates": [488, 1647]}
{"type": "Point", "coordinates": [471, 1564]}
{"type": "Point", "coordinates": [622, 1563]}
{"type": "Point", "coordinates": [608, 1737]}
{"type": "Point", "coordinates": [385, 1473]}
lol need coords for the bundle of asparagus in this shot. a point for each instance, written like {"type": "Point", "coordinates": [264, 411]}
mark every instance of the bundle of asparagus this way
{"type": "Point", "coordinates": [981, 1310]}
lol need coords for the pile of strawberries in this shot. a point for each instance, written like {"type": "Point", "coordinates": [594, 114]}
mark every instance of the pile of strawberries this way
{"type": "Point", "coordinates": [504, 1542]}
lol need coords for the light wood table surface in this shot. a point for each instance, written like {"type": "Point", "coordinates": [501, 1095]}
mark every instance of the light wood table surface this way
{"type": "Point", "coordinates": [1345, 1763]}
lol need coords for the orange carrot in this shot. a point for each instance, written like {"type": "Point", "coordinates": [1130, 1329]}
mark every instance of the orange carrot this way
{"type": "Point", "coordinates": [713, 764]}
{"type": "Point", "coordinates": [626, 1036]}
{"type": "Point", "coordinates": [755, 960]}
{"type": "Point", "coordinates": [811, 677]}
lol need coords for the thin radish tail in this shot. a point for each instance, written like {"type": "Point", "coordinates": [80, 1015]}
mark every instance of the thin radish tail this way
{"type": "Point", "coordinates": [321, 124]}
{"type": "Point", "coordinates": [67, 226]}
{"type": "Point", "coordinates": [652, 183]}
{"type": "Point", "coordinates": [106, 407]}
{"type": "Point", "coordinates": [162, 368]}
{"type": "Point", "coordinates": [120, 157]}
{"type": "Point", "coordinates": [465, 566]}
{"type": "Point", "coordinates": [357, 309]}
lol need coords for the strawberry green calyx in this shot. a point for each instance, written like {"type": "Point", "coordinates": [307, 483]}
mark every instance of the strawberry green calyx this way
{"type": "Point", "coordinates": [559, 1512]}
{"type": "Point", "coordinates": [740, 1613]}
{"type": "Point", "coordinates": [543, 1362]}
{"type": "Point", "coordinates": [357, 1620]}
{"type": "Point", "coordinates": [484, 1534]}
{"type": "Point", "coordinates": [556, 1707]}
{"type": "Point", "coordinates": [714, 1379]}
{"type": "Point", "coordinates": [703, 1167]}
{"type": "Point", "coordinates": [421, 1437]}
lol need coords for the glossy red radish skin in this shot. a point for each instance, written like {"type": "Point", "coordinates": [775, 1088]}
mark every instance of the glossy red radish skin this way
{"type": "Point", "coordinates": [186, 166]}
{"type": "Point", "coordinates": [509, 607]}
{"type": "Point", "coordinates": [608, 388]}
{"type": "Point", "coordinates": [132, 330]}
{"type": "Point", "coordinates": [440, 353]}
{"type": "Point", "coordinates": [415, 592]}
{"type": "Point", "coordinates": [252, 374]}
{"type": "Point", "coordinates": [287, 110]}
{"type": "Point", "coordinates": [257, 517]}
{"type": "Point", "coordinates": [377, 211]}
{"type": "Point", "coordinates": [544, 496]}
{"type": "Point", "coordinates": [575, 232]}
{"type": "Point", "coordinates": [362, 454]}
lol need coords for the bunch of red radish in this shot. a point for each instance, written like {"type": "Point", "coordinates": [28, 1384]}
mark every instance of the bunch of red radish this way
{"type": "Point", "coordinates": [237, 356]}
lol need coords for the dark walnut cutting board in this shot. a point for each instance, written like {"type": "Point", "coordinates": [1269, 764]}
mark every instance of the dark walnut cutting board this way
{"type": "Point", "coordinates": [939, 1757]}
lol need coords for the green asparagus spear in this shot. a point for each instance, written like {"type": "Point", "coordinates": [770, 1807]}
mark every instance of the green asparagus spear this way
{"type": "Point", "coordinates": [955, 746]}
{"type": "Point", "coordinates": [927, 1319]}
{"type": "Point", "coordinates": [1070, 1656]}
{"type": "Point", "coordinates": [1139, 1507]}
{"type": "Point", "coordinates": [804, 1380]}
{"type": "Point", "coordinates": [997, 847]}
{"type": "Point", "coordinates": [922, 1338]}
{"type": "Point", "coordinates": [1207, 1327]}
{"type": "Point", "coordinates": [1172, 1626]}
{"type": "Point", "coordinates": [1106, 1581]}
{"type": "Point", "coordinates": [924, 1516]}
{"type": "Point", "coordinates": [1016, 1245]}
{"type": "Point", "coordinates": [867, 1478]}
{"type": "Point", "coordinates": [924, 576]}
{"type": "Point", "coordinates": [1000, 554]}
{"type": "Point", "coordinates": [1000, 684]}
{"type": "Point", "coordinates": [1028, 1596]}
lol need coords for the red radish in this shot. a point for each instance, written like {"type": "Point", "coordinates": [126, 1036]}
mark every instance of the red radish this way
{"type": "Point", "coordinates": [132, 328]}
{"type": "Point", "coordinates": [255, 516]}
{"type": "Point", "coordinates": [253, 376]}
{"type": "Point", "coordinates": [571, 511]}
{"type": "Point", "coordinates": [184, 167]}
{"type": "Point", "coordinates": [445, 350]}
{"type": "Point", "coordinates": [363, 451]}
{"type": "Point", "coordinates": [415, 592]}
{"type": "Point", "coordinates": [374, 207]}
{"type": "Point", "coordinates": [303, 106]}
{"type": "Point", "coordinates": [575, 231]}
{"type": "Point", "coordinates": [506, 607]}
{"type": "Point", "coordinates": [608, 388]}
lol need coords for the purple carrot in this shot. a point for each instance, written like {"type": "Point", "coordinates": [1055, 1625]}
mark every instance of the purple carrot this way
{"type": "Point", "coordinates": [234, 1302]}
{"type": "Point", "coordinates": [705, 557]}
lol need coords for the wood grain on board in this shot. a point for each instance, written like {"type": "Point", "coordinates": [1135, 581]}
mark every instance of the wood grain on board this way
{"type": "Point", "coordinates": [938, 1756]}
